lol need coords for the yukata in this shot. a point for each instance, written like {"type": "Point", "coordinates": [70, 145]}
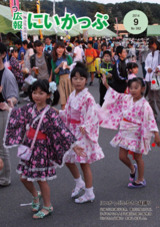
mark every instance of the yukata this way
{"type": "Point", "coordinates": [79, 112]}
{"type": "Point", "coordinates": [52, 142]}
{"type": "Point", "coordinates": [16, 70]}
{"type": "Point", "coordinates": [135, 120]}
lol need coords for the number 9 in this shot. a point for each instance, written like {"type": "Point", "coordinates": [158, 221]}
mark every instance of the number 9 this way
{"type": "Point", "coordinates": [135, 21]}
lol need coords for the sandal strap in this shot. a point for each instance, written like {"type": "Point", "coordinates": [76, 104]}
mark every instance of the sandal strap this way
{"type": "Point", "coordinates": [40, 214]}
{"type": "Point", "coordinates": [48, 208]}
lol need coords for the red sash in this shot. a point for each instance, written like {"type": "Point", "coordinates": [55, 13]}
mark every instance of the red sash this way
{"type": "Point", "coordinates": [73, 121]}
{"type": "Point", "coordinates": [40, 136]}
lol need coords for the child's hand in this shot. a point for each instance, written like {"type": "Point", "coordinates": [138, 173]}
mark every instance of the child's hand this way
{"type": "Point", "coordinates": [79, 151]}
{"type": "Point", "coordinates": [82, 130]}
{"type": "Point", "coordinates": [104, 81]}
{"type": "Point", "coordinates": [4, 106]}
{"type": "Point", "coordinates": [34, 69]}
{"type": "Point", "coordinates": [1, 164]}
{"type": "Point", "coordinates": [61, 64]}
{"type": "Point", "coordinates": [1, 89]}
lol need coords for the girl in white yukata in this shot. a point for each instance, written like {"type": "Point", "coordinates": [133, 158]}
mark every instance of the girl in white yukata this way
{"type": "Point", "coordinates": [81, 118]}
{"type": "Point", "coordinates": [137, 124]}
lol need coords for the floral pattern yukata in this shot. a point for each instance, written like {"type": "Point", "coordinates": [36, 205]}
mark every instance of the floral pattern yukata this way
{"type": "Point", "coordinates": [80, 112]}
{"type": "Point", "coordinates": [135, 120]}
{"type": "Point", "coordinates": [16, 70]}
{"type": "Point", "coordinates": [47, 153]}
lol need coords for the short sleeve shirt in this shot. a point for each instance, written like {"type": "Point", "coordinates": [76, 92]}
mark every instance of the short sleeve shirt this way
{"type": "Point", "coordinates": [22, 50]}
{"type": "Point", "coordinates": [90, 54]}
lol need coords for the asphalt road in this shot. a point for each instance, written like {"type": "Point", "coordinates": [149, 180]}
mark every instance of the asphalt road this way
{"type": "Point", "coordinates": [115, 205]}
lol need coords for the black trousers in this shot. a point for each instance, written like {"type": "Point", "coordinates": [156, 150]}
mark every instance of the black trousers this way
{"type": "Point", "coordinates": [102, 91]}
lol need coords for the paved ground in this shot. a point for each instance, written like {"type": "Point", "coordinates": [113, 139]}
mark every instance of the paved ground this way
{"type": "Point", "coordinates": [114, 205]}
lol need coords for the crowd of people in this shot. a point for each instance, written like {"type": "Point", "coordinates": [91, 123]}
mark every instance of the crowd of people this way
{"type": "Point", "coordinates": [49, 137]}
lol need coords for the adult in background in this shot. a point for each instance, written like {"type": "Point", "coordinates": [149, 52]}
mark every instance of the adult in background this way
{"type": "Point", "coordinates": [61, 68]}
{"type": "Point", "coordinates": [41, 62]}
{"type": "Point", "coordinates": [131, 52]}
{"type": "Point", "coordinates": [120, 76]}
{"type": "Point", "coordinates": [29, 53]}
{"type": "Point", "coordinates": [21, 50]}
{"type": "Point", "coordinates": [151, 64]}
{"type": "Point", "coordinates": [26, 69]}
{"type": "Point", "coordinates": [143, 55]}
{"type": "Point", "coordinates": [8, 93]}
{"type": "Point", "coordinates": [77, 54]}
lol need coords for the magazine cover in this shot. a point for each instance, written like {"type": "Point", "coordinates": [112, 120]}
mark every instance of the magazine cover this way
{"type": "Point", "coordinates": [79, 113]}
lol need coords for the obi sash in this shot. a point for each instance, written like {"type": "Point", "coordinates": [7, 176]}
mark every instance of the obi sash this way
{"type": "Point", "coordinates": [73, 121]}
{"type": "Point", "coordinates": [40, 136]}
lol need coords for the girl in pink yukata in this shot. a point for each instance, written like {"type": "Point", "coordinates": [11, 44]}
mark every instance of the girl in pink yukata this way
{"type": "Point", "coordinates": [81, 118]}
{"type": "Point", "coordinates": [53, 142]}
{"type": "Point", "coordinates": [137, 124]}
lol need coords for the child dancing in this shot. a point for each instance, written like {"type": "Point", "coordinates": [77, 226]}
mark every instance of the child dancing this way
{"type": "Point", "coordinates": [50, 148]}
{"type": "Point", "coordinates": [137, 124]}
{"type": "Point", "coordinates": [81, 118]}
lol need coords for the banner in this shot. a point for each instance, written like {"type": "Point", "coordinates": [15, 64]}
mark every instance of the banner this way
{"type": "Point", "coordinates": [14, 6]}
{"type": "Point", "coordinates": [24, 28]}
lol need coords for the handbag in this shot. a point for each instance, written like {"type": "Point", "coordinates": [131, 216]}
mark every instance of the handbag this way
{"type": "Point", "coordinates": [25, 152]}
{"type": "Point", "coordinates": [155, 82]}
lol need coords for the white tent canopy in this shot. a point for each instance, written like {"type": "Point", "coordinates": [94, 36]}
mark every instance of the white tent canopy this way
{"type": "Point", "coordinates": [6, 26]}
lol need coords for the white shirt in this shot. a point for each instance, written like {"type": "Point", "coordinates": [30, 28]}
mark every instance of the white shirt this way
{"type": "Point", "coordinates": [151, 62]}
{"type": "Point", "coordinates": [78, 52]}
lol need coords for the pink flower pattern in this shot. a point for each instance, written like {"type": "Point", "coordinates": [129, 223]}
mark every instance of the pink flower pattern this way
{"type": "Point", "coordinates": [82, 108]}
{"type": "Point", "coordinates": [135, 121]}
{"type": "Point", "coordinates": [46, 152]}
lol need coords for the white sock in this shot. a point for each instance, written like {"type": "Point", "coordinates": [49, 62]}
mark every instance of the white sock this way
{"type": "Point", "coordinates": [79, 181]}
{"type": "Point", "coordinates": [89, 191]}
